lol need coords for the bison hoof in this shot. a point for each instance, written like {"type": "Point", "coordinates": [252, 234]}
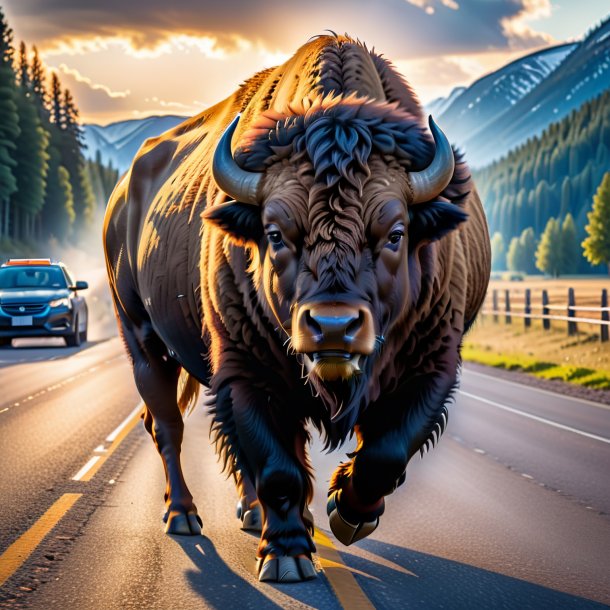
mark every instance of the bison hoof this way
{"type": "Point", "coordinates": [344, 531]}
{"type": "Point", "coordinates": [182, 524]}
{"type": "Point", "coordinates": [251, 518]}
{"type": "Point", "coordinates": [285, 569]}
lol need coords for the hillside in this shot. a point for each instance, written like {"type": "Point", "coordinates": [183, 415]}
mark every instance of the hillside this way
{"type": "Point", "coordinates": [471, 111]}
{"type": "Point", "coordinates": [583, 74]}
{"type": "Point", "coordinates": [550, 175]}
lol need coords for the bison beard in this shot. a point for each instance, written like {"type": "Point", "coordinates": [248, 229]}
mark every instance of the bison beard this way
{"type": "Point", "coordinates": [325, 235]}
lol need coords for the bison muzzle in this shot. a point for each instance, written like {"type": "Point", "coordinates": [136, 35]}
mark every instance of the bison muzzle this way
{"type": "Point", "coordinates": [310, 226]}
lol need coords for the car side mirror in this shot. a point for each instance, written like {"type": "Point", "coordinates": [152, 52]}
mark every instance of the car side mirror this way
{"type": "Point", "coordinates": [79, 286]}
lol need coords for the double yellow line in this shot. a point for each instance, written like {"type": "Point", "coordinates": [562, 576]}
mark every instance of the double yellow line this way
{"type": "Point", "coordinates": [16, 554]}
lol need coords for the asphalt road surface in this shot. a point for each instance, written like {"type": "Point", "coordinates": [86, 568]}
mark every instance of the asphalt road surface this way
{"type": "Point", "coordinates": [510, 510]}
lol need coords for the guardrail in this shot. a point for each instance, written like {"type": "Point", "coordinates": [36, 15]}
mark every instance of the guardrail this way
{"type": "Point", "coordinates": [545, 307]}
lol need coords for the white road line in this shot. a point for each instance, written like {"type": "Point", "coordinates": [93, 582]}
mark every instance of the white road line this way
{"type": "Point", "coordinates": [535, 389]}
{"type": "Point", "coordinates": [110, 438]}
{"type": "Point", "coordinates": [86, 468]}
{"type": "Point", "coordinates": [542, 420]}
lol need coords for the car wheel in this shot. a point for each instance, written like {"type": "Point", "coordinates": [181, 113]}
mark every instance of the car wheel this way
{"type": "Point", "coordinates": [83, 335]}
{"type": "Point", "coordinates": [73, 340]}
{"type": "Point", "coordinates": [5, 341]}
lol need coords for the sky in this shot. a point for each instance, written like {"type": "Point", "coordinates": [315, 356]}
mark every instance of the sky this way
{"type": "Point", "coordinates": [125, 59]}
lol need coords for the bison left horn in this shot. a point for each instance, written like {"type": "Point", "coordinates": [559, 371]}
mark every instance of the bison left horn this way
{"type": "Point", "coordinates": [232, 179]}
{"type": "Point", "coordinates": [430, 182]}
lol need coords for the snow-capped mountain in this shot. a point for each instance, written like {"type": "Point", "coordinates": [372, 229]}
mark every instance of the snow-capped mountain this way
{"type": "Point", "coordinates": [440, 104]}
{"type": "Point", "coordinates": [491, 96]}
{"type": "Point", "coordinates": [580, 75]}
{"type": "Point", "coordinates": [119, 142]}
{"type": "Point", "coordinates": [490, 117]}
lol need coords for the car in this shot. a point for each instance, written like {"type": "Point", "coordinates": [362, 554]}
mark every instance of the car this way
{"type": "Point", "coordinates": [39, 298]}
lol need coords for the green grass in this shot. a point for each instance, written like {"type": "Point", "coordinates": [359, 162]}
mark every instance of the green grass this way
{"type": "Point", "coordinates": [546, 370]}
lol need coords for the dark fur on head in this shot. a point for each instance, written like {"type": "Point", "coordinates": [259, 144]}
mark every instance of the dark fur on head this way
{"type": "Point", "coordinates": [332, 139]}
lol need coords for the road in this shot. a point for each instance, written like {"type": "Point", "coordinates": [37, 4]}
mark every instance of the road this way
{"type": "Point", "coordinates": [510, 510]}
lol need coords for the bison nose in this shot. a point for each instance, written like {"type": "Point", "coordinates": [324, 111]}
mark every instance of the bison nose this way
{"type": "Point", "coordinates": [334, 326]}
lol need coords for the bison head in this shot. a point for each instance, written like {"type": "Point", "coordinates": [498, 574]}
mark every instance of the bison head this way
{"type": "Point", "coordinates": [338, 217]}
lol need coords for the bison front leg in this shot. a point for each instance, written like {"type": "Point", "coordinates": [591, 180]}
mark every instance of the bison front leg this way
{"type": "Point", "coordinates": [268, 443]}
{"type": "Point", "coordinates": [357, 489]}
{"type": "Point", "coordinates": [388, 436]}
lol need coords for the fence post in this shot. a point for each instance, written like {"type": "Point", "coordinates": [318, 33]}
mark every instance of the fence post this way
{"type": "Point", "coordinates": [494, 296]}
{"type": "Point", "coordinates": [546, 323]}
{"type": "Point", "coordinates": [507, 316]}
{"type": "Point", "coordinates": [572, 330]}
{"type": "Point", "coordinates": [528, 308]}
{"type": "Point", "coordinates": [603, 332]}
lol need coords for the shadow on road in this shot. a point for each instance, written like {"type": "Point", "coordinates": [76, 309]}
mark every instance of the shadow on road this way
{"type": "Point", "coordinates": [427, 581]}
{"type": "Point", "coordinates": [216, 584]}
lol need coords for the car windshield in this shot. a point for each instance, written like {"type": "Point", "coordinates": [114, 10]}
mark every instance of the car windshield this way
{"type": "Point", "coordinates": [32, 277]}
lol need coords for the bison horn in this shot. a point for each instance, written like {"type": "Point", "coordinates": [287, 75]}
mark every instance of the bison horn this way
{"type": "Point", "coordinates": [232, 179]}
{"type": "Point", "coordinates": [430, 182]}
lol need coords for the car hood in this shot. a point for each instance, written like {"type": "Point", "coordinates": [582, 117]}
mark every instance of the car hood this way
{"type": "Point", "coordinates": [32, 296]}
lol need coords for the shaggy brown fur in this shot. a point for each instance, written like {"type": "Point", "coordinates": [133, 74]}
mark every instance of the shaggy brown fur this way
{"type": "Point", "coordinates": [334, 129]}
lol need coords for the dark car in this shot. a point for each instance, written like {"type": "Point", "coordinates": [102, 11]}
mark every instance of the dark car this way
{"type": "Point", "coordinates": [39, 298]}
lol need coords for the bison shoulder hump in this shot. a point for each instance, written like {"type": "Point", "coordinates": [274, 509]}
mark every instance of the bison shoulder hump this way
{"type": "Point", "coordinates": [153, 157]}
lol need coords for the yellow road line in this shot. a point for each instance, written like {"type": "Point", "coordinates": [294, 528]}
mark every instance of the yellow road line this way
{"type": "Point", "coordinates": [16, 554]}
{"type": "Point", "coordinates": [125, 430]}
{"type": "Point", "coordinates": [341, 579]}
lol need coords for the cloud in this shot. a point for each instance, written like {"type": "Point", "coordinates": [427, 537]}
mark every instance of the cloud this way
{"type": "Point", "coordinates": [400, 28]}
{"type": "Point", "coordinates": [93, 98]}
{"type": "Point", "coordinates": [150, 56]}
{"type": "Point", "coordinates": [517, 30]}
{"type": "Point", "coordinates": [95, 86]}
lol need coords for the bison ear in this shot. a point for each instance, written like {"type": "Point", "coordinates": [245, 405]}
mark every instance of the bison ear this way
{"type": "Point", "coordinates": [433, 220]}
{"type": "Point", "coordinates": [241, 221]}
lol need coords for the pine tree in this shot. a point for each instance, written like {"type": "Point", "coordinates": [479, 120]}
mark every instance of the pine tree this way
{"type": "Point", "coordinates": [558, 170]}
{"type": "Point", "coordinates": [31, 156]}
{"type": "Point", "coordinates": [527, 240]}
{"type": "Point", "coordinates": [57, 113]}
{"type": "Point", "coordinates": [570, 248]}
{"type": "Point", "coordinates": [72, 143]}
{"type": "Point", "coordinates": [58, 211]}
{"type": "Point", "coordinates": [548, 255]}
{"type": "Point", "coordinates": [597, 244]}
{"type": "Point", "coordinates": [498, 258]}
{"type": "Point", "coordinates": [39, 91]}
{"type": "Point", "coordinates": [514, 256]}
{"type": "Point", "coordinates": [9, 125]}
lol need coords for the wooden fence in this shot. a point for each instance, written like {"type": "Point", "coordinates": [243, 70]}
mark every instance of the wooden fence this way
{"type": "Point", "coordinates": [527, 310]}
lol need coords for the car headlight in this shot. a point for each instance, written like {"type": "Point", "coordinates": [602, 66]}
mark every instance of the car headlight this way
{"type": "Point", "coordinates": [65, 302]}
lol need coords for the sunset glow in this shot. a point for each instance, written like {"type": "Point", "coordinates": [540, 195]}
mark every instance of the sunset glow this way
{"type": "Point", "coordinates": [124, 61]}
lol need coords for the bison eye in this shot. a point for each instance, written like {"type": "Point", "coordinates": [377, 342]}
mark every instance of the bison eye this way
{"type": "Point", "coordinates": [394, 239]}
{"type": "Point", "coordinates": [275, 239]}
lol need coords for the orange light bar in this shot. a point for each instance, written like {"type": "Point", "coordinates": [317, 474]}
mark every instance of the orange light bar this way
{"type": "Point", "coordinates": [18, 262]}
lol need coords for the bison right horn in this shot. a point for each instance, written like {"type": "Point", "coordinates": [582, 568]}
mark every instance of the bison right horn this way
{"type": "Point", "coordinates": [236, 182]}
{"type": "Point", "coordinates": [430, 182]}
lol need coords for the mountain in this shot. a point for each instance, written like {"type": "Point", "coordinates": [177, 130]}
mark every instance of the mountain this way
{"type": "Point", "coordinates": [550, 175]}
{"type": "Point", "coordinates": [118, 142]}
{"type": "Point", "coordinates": [495, 114]}
{"type": "Point", "coordinates": [520, 100]}
{"type": "Point", "coordinates": [479, 107]}
{"type": "Point", "coordinates": [439, 105]}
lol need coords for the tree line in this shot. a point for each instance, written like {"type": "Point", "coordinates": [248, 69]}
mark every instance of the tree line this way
{"type": "Point", "coordinates": [47, 187]}
{"type": "Point", "coordinates": [551, 176]}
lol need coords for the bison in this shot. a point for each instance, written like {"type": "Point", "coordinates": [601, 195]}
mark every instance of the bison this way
{"type": "Point", "coordinates": [313, 253]}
